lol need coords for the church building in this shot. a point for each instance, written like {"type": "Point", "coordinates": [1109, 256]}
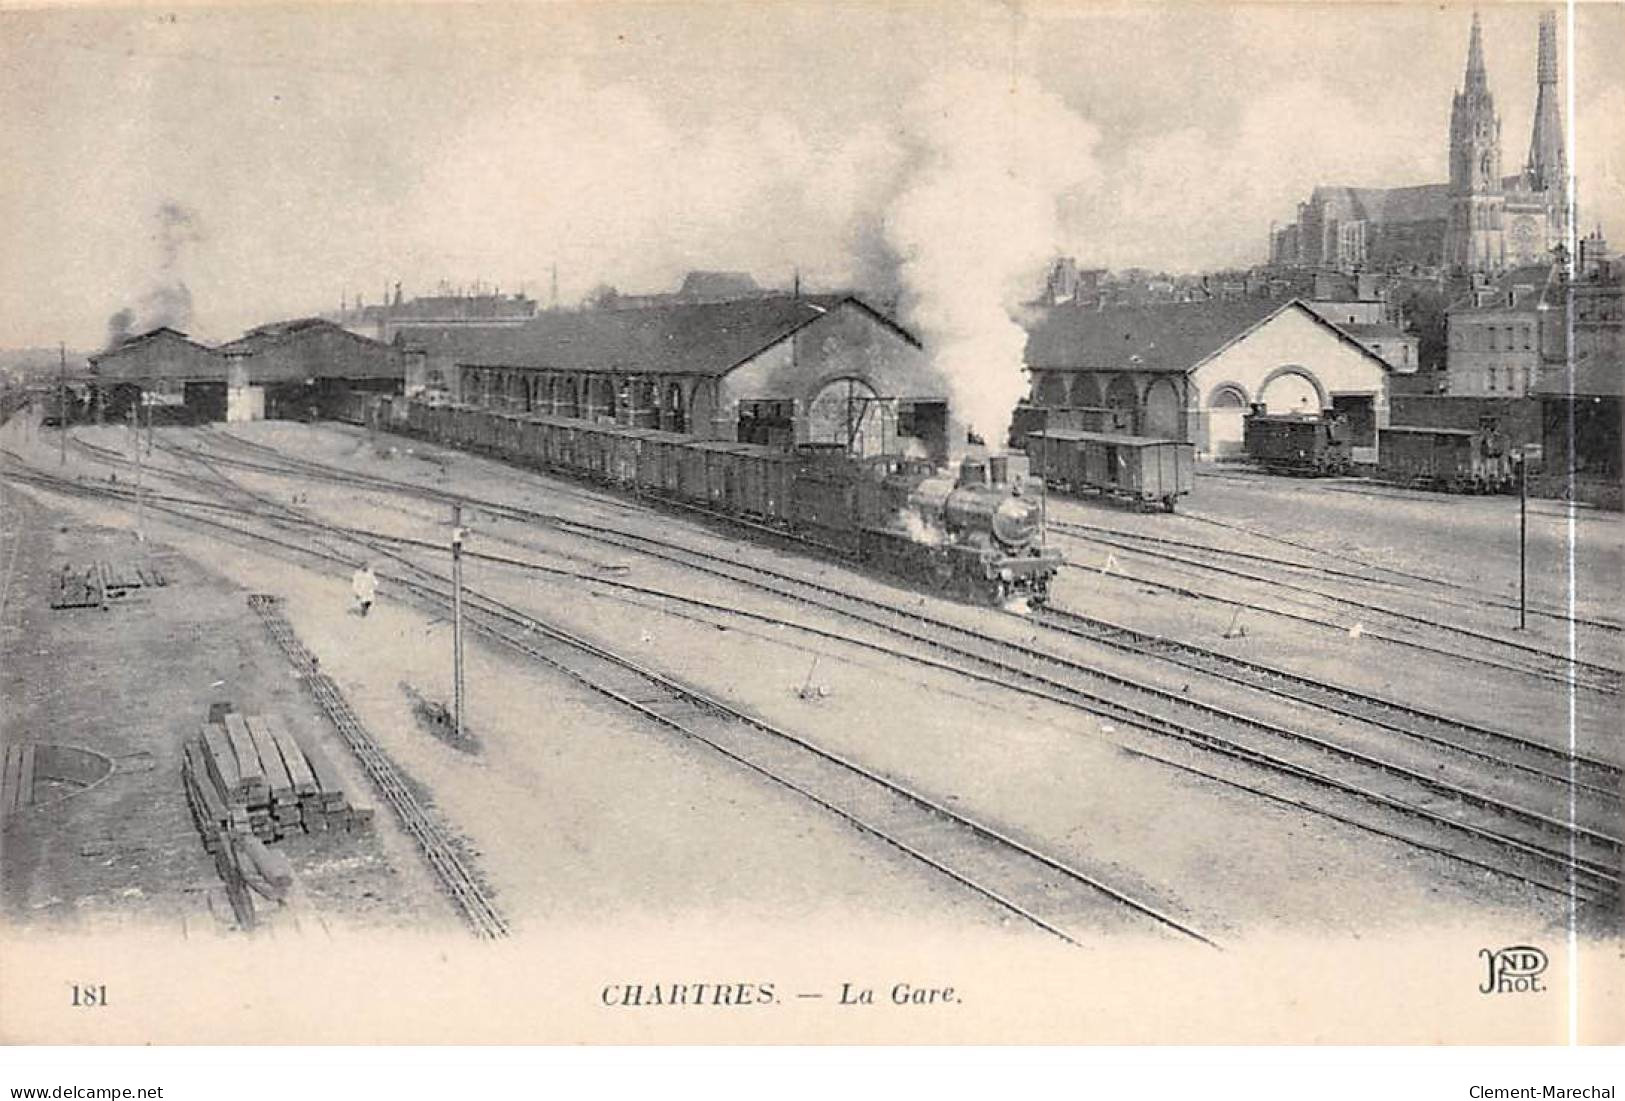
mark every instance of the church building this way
{"type": "Point", "coordinates": [1480, 221]}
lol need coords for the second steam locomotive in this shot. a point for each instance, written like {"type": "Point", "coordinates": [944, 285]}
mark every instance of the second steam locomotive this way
{"type": "Point", "coordinates": [974, 532]}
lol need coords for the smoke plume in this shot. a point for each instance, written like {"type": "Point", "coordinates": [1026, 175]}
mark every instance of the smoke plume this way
{"type": "Point", "coordinates": [168, 300]}
{"type": "Point", "coordinates": [991, 163]}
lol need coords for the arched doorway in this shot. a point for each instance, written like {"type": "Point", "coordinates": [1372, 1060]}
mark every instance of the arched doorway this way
{"type": "Point", "coordinates": [1226, 406]}
{"type": "Point", "coordinates": [1050, 393]}
{"type": "Point", "coordinates": [569, 398]}
{"type": "Point", "coordinates": [1292, 390]}
{"type": "Point", "coordinates": [1124, 399]}
{"type": "Point", "coordinates": [1085, 392]}
{"type": "Point", "coordinates": [847, 411]}
{"type": "Point", "coordinates": [672, 418]}
{"type": "Point", "coordinates": [600, 399]}
{"type": "Point", "coordinates": [1163, 412]}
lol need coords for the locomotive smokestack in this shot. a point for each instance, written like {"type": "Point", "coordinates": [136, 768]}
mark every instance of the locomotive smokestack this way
{"type": "Point", "coordinates": [972, 472]}
{"type": "Point", "coordinates": [998, 469]}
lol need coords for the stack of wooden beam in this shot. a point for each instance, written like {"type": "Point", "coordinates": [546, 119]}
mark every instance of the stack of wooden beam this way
{"type": "Point", "coordinates": [17, 779]}
{"type": "Point", "coordinates": [250, 775]}
{"type": "Point", "coordinates": [91, 586]}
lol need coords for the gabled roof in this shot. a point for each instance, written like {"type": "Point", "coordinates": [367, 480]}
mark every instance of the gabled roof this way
{"type": "Point", "coordinates": [1527, 284]}
{"type": "Point", "coordinates": [135, 343]}
{"type": "Point", "coordinates": [1174, 337]}
{"type": "Point", "coordinates": [277, 332]}
{"type": "Point", "coordinates": [691, 338]}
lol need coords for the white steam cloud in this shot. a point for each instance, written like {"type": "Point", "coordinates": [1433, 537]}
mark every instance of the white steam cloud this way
{"type": "Point", "coordinates": [990, 164]}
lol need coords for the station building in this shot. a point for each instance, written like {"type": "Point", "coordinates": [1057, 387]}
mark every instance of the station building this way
{"type": "Point", "coordinates": [1190, 371]}
{"type": "Point", "coordinates": [291, 369]}
{"type": "Point", "coordinates": [777, 369]}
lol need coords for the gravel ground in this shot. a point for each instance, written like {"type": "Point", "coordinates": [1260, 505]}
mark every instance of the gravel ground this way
{"type": "Point", "coordinates": [129, 683]}
{"type": "Point", "coordinates": [1051, 777]}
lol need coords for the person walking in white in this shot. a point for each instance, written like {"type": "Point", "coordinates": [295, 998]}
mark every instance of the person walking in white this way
{"type": "Point", "coordinates": [365, 586]}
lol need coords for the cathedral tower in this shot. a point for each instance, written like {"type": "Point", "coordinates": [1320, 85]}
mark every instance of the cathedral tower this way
{"type": "Point", "coordinates": [1474, 239]}
{"type": "Point", "coordinates": [1547, 172]}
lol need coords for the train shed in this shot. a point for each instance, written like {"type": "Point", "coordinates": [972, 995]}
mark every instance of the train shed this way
{"type": "Point", "coordinates": [1189, 371]}
{"type": "Point", "coordinates": [770, 369]}
{"type": "Point", "coordinates": [306, 368]}
{"type": "Point", "coordinates": [288, 369]}
{"type": "Point", "coordinates": [164, 365]}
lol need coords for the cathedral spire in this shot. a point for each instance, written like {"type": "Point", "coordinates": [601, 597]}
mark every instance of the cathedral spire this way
{"type": "Point", "coordinates": [1546, 169]}
{"type": "Point", "coordinates": [1476, 79]}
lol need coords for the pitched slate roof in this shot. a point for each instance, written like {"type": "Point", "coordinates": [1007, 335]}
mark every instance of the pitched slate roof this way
{"type": "Point", "coordinates": [1532, 278]}
{"type": "Point", "coordinates": [1421, 203]}
{"type": "Point", "coordinates": [279, 332]}
{"type": "Point", "coordinates": [1163, 337]}
{"type": "Point", "coordinates": [705, 339]}
{"type": "Point", "coordinates": [145, 356]}
{"type": "Point", "coordinates": [1170, 336]}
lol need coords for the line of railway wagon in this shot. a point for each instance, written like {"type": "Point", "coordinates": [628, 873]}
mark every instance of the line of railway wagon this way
{"type": "Point", "coordinates": [974, 533]}
{"type": "Point", "coordinates": [1455, 460]}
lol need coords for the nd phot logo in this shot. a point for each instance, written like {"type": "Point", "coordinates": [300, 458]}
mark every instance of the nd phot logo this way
{"type": "Point", "coordinates": [1513, 970]}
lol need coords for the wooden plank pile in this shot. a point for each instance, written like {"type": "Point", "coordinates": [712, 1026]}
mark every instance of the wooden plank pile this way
{"type": "Point", "coordinates": [91, 586]}
{"type": "Point", "coordinates": [17, 779]}
{"type": "Point", "coordinates": [249, 780]}
{"type": "Point", "coordinates": [251, 775]}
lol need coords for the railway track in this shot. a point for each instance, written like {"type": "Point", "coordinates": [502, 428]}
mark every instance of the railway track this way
{"type": "Point", "coordinates": [1397, 788]}
{"type": "Point", "coordinates": [1142, 543]}
{"type": "Point", "coordinates": [1601, 679]}
{"type": "Point", "coordinates": [1599, 778]}
{"type": "Point", "coordinates": [1047, 892]}
{"type": "Point", "coordinates": [1405, 576]}
{"type": "Point", "coordinates": [473, 900]}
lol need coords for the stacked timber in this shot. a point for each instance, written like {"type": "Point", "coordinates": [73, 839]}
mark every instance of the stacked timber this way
{"type": "Point", "coordinates": [17, 779]}
{"type": "Point", "coordinates": [248, 775]}
{"type": "Point", "coordinates": [92, 585]}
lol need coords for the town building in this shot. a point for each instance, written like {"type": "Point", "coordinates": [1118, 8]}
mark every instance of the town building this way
{"type": "Point", "coordinates": [776, 370]}
{"type": "Point", "coordinates": [383, 320]}
{"type": "Point", "coordinates": [1494, 334]}
{"type": "Point", "coordinates": [1478, 221]}
{"type": "Point", "coordinates": [1190, 371]}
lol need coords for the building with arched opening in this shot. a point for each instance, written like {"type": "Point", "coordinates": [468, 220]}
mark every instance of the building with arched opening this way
{"type": "Point", "coordinates": [1190, 371]}
{"type": "Point", "coordinates": [770, 369]}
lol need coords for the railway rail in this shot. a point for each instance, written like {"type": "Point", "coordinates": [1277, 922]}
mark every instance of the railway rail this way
{"type": "Point", "coordinates": [1142, 543]}
{"type": "Point", "coordinates": [1381, 783]}
{"type": "Point", "coordinates": [1039, 888]}
{"type": "Point", "coordinates": [1606, 680]}
{"type": "Point", "coordinates": [1478, 596]}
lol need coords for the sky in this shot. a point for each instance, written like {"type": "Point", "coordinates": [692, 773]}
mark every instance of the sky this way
{"type": "Point", "coordinates": [274, 159]}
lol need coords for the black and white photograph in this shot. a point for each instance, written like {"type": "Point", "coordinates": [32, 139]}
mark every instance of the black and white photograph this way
{"type": "Point", "coordinates": [849, 523]}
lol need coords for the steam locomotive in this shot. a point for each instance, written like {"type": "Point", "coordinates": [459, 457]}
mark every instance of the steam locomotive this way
{"type": "Point", "coordinates": [974, 532]}
{"type": "Point", "coordinates": [1298, 443]}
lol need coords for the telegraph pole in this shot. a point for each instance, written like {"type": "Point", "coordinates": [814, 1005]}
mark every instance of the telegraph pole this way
{"type": "Point", "coordinates": [62, 404]}
{"type": "Point", "coordinates": [457, 618]}
{"type": "Point", "coordinates": [1523, 539]}
{"type": "Point", "coordinates": [140, 501]}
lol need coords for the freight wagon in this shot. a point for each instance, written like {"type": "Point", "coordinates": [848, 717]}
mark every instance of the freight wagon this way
{"type": "Point", "coordinates": [974, 533]}
{"type": "Point", "coordinates": [1456, 460]}
{"type": "Point", "coordinates": [1138, 469]}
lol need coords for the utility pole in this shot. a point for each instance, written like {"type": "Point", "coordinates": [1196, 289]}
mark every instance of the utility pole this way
{"type": "Point", "coordinates": [457, 618]}
{"type": "Point", "coordinates": [62, 404]}
{"type": "Point", "coordinates": [140, 501]}
{"type": "Point", "coordinates": [1523, 539]}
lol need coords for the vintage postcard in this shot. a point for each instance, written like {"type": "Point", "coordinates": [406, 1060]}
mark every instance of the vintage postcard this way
{"type": "Point", "coordinates": [851, 522]}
